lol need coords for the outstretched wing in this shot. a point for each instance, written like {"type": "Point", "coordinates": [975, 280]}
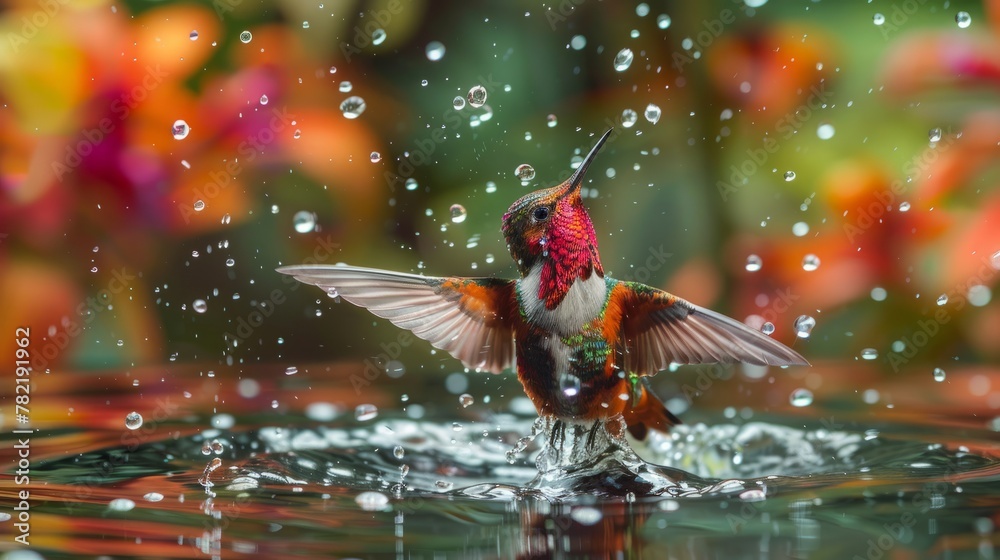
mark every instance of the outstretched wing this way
{"type": "Point", "coordinates": [467, 317]}
{"type": "Point", "coordinates": [660, 328]}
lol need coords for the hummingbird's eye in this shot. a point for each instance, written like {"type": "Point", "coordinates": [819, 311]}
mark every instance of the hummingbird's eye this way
{"type": "Point", "coordinates": [541, 214]}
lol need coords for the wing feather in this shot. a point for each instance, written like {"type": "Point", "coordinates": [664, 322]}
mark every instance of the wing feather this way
{"type": "Point", "coordinates": [660, 328]}
{"type": "Point", "coordinates": [466, 317]}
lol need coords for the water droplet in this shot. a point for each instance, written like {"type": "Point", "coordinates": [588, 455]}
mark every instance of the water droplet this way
{"type": "Point", "coordinates": [466, 400]}
{"type": "Point", "coordinates": [652, 113]}
{"type": "Point", "coordinates": [230, 262]}
{"type": "Point", "coordinates": [663, 21]}
{"type": "Point", "coordinates": [825, 131]}
{"type": "Point", "coordinates": [551, 121]}
{"type": "Point", "coordinates": [180, 129]}
{"type": "Point", "coordinates": [801, 397]}
{"type": "Point", "coordinates": [942, 299]}
{"type": "Point", "coordinates": [246, 37]}
{"type": "Point", "coordinates": [939, 374]}
{"type": "Point", "coordinates": [799, 229]}
{"type": "Point", "coordinates": [133, 420]}
{"type": "Point", "coordinates": [444, 485]}
{"type": "Point", "coordinates": [804, 325]}
{"type": "Point", "coordinates": [398, 452]}
{"type": "Point", "coordinates": [934, 135]}
{"type": "Point", "coordinates": [810, 262]}
{"type": "Point", "coordinates": [578, 42]}
{"type": "Point", "coordinates": [524, 172]}
{"type": "Point", "coordinates": [869, 354]}
{"type": "Point", "coordinates": [372, 501]}
{"type": "Point", "coordinates": [193, 35]}
{"type": "Point", "coordinates": [120, 343]}
{"type": "Point", "coordinates": [623, 59]}
{"type": "Point", "coordinates": [305, 25]}
{"type": "Point", "coordinates": [411, 184]}
{"type": "Point", "coordinates": [586, 515]}
{"type": "Point", "coordinates": [995, 260]}
{"type": "Point", "coordinates": [121, 504]}
{"type": "Point", "coordinates": [378, 37]}
{"type": "Point", "coordinates": [458, 213]}
{"type": "Point", "coordinates": [629, 117]}
{"type": "Point", "coordinates": [333, 69]}
{"type": "Point", "coordinates": [789, 176]}
{"type": "Point", "coordinates": [375, 157]}
{"type": "Point", "coordinates": [304, 221]}
{"type": "Point", "coordinates": [297, 134]}
{"type": "Point", "coordinates": [435, 51]}
{"type": "Point", "coordinates": [754, 263]}
{"type": "Point", "coordinates": [489, 258]}
{"type": "Point", "coordinates": [477, 96]}
{"type": "Point", "coordinates": [352, 107]}
{"type": "Point", "coordinates": [217, 447]}
{"type": "Point", "coordinates": [878, 19]}
{"type": "Point", "coordinates": [963, 19]}
{"type": "Point", "coordinates": [458, 103]}
{"type": "Point", "coordinates": [569, 385]}
{"type": "Point", "coordinates": [767, 328]}
{"type": "Point", "coordinates": [200, 306]}
{"type": "Point", "coordinates": [345, 86]}
{"type": "Point", "coordinates": [291, 370]}
{"type": "Point", "coordinates": [979, 295]}
{"type": "Point", "coordinates": [365, 412]}
{"type": "Point", "coordinates": [152, 497]}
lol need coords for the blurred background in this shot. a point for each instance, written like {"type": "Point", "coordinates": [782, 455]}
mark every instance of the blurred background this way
{"type": "Point", "coordinates": [771, 160]}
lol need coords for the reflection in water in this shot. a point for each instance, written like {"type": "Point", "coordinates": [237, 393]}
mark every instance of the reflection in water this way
{"type": "Point", "coordinates": [293, 486]}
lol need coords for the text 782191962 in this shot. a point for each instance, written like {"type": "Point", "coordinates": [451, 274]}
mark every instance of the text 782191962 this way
{"type": "Point", "coordinates": [22, 412]}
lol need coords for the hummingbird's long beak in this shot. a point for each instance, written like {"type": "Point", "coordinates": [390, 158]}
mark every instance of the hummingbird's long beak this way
{"type": "Point", "coordinates": [574, 182]}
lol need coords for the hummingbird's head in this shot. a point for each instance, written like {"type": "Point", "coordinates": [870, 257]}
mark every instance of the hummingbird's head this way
{"type": "Point", "coordinates": [552, 225]}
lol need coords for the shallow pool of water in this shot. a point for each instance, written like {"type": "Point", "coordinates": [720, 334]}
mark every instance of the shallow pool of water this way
{"type": "Point", "coordinates": [284, 467]}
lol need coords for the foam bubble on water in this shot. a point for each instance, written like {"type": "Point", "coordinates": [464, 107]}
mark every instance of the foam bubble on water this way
{"type": "Point", "coordinates": [372, 501]}
{"type": "Point", "coordinates": [365, 412]}
{"type": "Point", "coordinates": [121, 504]}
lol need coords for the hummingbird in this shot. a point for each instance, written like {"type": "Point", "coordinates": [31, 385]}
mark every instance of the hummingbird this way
{"type": "Point", "coordinates": [583, 343]}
